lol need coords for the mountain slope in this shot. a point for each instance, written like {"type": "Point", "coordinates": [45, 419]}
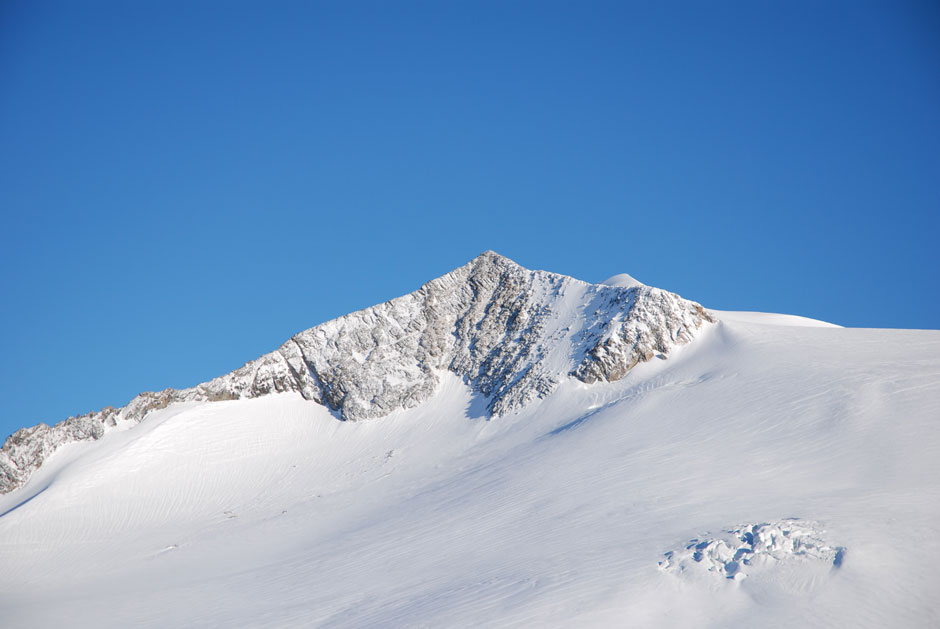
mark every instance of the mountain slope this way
{"type": "Point", "coordinates": [511, 333]}
{"type": "Point", "coordinates": [586, 507]}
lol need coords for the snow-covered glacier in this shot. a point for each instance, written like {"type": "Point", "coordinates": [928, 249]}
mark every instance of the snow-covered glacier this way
{"type": "Point", "coordinates": [511, 333]}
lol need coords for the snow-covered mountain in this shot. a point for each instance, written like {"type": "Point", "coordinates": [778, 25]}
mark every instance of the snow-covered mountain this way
{"type": "Point", "coordinates": [510, 333]}
{"type": "Point", "coordinates": [528, 460]}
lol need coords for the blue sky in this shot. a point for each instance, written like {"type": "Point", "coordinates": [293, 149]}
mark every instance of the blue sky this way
{"type": "Point", "coordinates": [184, 185]}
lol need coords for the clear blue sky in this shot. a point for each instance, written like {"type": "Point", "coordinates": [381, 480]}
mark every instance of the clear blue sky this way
{"type": "Point", "coordinates": [183, 185]}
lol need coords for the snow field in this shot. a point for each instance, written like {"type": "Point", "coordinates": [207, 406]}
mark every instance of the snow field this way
{"type": "Point", "coordinates": [270, 512]}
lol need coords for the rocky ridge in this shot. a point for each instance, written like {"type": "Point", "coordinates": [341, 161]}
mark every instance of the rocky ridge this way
{"type": "Point", "coordinates": [510, 333]}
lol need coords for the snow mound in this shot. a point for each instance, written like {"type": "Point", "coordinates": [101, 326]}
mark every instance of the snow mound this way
{"type": "Point", "coordinates": [736, 553]}
{"type": "Point", "coordinates": [623, 280]}
{"type": "Point", "coordinates": [770, 318]}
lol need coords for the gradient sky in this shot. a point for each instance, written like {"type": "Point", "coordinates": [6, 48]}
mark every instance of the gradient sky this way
{"type": "Point", "coordinates": [183, 185]}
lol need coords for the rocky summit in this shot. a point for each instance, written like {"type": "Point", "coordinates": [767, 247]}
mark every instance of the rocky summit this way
{"type": "Point", "coordinates": [510, 333]}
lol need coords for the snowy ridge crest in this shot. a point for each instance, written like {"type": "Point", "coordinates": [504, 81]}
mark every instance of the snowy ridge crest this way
{"type": "Point", "coordinates": [510, 333]}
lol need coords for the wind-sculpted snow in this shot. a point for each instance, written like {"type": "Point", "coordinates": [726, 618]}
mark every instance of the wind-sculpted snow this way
{"type": "Point", "coordinates": [511, 333]}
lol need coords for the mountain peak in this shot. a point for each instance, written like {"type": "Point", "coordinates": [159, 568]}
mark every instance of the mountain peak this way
{"type": "Point", "coordinates": [489, 254]}
{"type": "Point", "coordinates": [490, 257]}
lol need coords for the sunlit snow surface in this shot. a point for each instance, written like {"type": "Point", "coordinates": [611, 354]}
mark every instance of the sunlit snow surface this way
{"type": "Point", "coordinates": [623, 280]}
{"type": "Point", "coordinates": [270, 512]}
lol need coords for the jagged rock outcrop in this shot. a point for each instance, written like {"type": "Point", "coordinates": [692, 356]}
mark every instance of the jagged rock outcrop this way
{"type": "Point", "coordinates": [511, 333]}
{"type": "Point", "coordinates": [646, 322]}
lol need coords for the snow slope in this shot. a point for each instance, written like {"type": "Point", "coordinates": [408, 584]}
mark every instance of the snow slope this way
{"type": "Point", "coordinates": [767, 318]}
{"type": "Point", "coordinates": [587, 507]}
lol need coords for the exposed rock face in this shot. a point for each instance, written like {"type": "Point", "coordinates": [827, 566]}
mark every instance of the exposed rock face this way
{"type": "Point", "coordinates": [646, 322]}
{"type": "Point", "coordinates": [511, 333]}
